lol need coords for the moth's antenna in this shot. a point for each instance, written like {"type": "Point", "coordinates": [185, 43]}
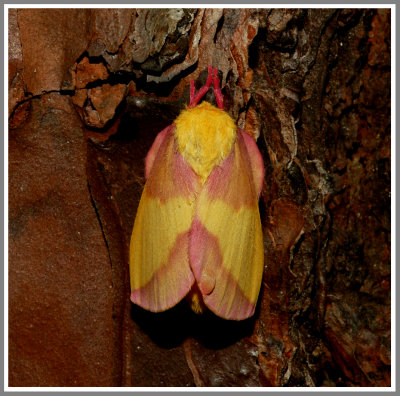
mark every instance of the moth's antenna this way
{"type": "Point", "coordinates": [195, 98]}
{"type": "Point", "coordinates": [217, 90]}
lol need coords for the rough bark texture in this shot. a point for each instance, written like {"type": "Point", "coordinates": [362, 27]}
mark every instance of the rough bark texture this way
{"type": "Point", "coordinates": [88, 92]}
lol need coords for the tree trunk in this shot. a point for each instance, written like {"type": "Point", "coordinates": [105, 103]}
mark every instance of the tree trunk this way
{"type": "Point", "coordinates": [88, 92]}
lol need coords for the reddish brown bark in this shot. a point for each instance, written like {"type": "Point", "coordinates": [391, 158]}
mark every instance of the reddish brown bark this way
{"type": "Point", "coordinates": [88, 92]}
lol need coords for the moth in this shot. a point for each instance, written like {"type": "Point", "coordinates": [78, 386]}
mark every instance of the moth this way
{"type": "Point", "coordinates": [197, 232]}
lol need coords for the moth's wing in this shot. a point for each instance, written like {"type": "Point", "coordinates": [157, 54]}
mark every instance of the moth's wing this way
{"type": "Point", "coordinates": [160, 273]}
{"type": "Point", "coordinates": [226, 241]}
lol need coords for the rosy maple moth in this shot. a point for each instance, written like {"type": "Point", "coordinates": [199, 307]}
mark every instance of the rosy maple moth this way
{"type": "Point", "coordinates": [197, 232]}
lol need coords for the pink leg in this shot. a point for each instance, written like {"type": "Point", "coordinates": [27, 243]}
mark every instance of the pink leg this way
{"type": "Point", "coordinates": [194, 99]}
{"type": "Point", "coordinates": [217, 90]}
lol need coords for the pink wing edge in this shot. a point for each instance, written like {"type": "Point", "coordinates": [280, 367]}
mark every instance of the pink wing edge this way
{"type": "Point", "coordinates": [256, 160]}
{"type": "Point", "coordinates": [152, 154]}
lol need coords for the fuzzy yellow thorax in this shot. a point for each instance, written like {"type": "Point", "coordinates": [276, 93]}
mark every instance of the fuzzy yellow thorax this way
{"type": "Point", "coordinates": [205, 136]}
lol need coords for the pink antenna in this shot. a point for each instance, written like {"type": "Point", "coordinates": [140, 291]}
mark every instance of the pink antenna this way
{"type": "Point", "coordinates": [217, 90]}
{"type": "Point", "coordinates": [212, 77]}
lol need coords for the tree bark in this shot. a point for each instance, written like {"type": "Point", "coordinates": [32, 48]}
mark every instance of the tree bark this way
{"type": "Point", "coordinates": [88, 92]}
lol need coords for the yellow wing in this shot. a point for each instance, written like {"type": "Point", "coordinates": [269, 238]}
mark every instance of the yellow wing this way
{"type": "Point", "coordinates": [226, 245]}
{"type": "Point", "coordinates": [160, 273]}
